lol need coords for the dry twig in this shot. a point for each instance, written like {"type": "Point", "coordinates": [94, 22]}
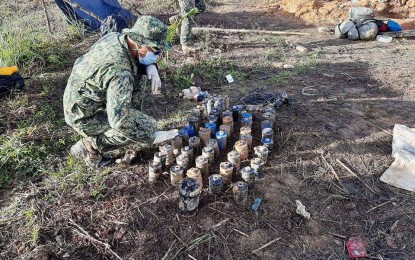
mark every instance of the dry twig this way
{"type": "Point", "coordinates": [355, 175]}
{"type": "Point", "coordinates": [266, 245]}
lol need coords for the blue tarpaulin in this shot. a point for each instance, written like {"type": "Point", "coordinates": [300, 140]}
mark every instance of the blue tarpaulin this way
{"type": "Point", "coordinates": [100, 8]}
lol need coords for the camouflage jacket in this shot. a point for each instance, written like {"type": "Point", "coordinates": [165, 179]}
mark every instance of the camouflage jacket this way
{"type": "Point", "coordinates": [99, 92]}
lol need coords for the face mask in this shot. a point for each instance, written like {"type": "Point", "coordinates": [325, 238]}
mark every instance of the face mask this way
{"type": "Point", "coordinates": [150, 58]}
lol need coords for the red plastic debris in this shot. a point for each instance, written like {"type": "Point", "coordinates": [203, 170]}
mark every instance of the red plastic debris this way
{"type": "Point", "coordinates": [356, 247]}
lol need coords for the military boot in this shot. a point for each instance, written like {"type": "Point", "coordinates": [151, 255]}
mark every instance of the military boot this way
{"type": "Point", "coordinates": [84, 149]}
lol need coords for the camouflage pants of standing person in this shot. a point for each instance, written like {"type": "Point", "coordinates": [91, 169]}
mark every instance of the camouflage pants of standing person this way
{"type": "Point", "coordinates": [186, 29]}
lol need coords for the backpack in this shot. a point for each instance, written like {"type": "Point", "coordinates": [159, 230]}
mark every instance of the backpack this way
{"type": "Point", "coordinates": [11, 82]}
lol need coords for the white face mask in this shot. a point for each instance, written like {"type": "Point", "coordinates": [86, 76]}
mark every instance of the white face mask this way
{"type": "Point", "coordinates": [150, 57]}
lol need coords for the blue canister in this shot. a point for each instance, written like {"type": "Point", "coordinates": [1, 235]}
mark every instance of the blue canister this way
{"type": "Point", "coordinates": [248, 175]}
{"type": "Point", "coordinates": [189, 190]}
{"type": "Point", "coordinates": [212, 119]}
{"type": "Point", "coordinates": [240, 193]}
{"type": "Point", "coordinates": [194, 121]}
{"type": "Point", "coordinates": [246, 122]}
{"type": "Point", "coordinates": [212, 127]}
{"type": "Point", "coordinates": [215, 112]}
{"type": "Point", "coordinates": [226, 113]}
{"type": "Point", "coordinates": [268, 143]}
{"type": "Point", "coordinates": [247, 115]}
{"type": "Point", "coordinates": [190, 130]}
{"type": "Point", "coordinates": [266, 124]}
{"type": "Point", "coordinates": [215, 184]}
{"type": "Point", "coordinates": [221, 137]}
{"type": "Point", "coordinates": [268, 133]}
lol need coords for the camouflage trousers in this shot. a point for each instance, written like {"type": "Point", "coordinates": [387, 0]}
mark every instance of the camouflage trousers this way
{"type": "Point", "coordinates": [186, 29]}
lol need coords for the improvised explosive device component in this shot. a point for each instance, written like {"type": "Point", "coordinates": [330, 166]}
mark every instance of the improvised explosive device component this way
{"type": "Point", "coordinates": [185, 136]}
{"type": "Point", "coordinates": [168, 151]}
{"type": "Point", "coordinates": [194, 142]}
{"type": "Point", "coordinates": [245, 130]}
{"type": "Point", "coordinates": [240, 193]}
{"type": "Point", "coordinates": [176, 174]}
{"type": "Point", "coordinates": [188, 151]}
{"type": "Point", "coordinates": [258, 165]}
{"type": "Point", "coordinates": [226, 128]}
{"type": "Point", "coordinates": [226, 170]}
{"type": "Point", "coordinates": [234, 157]}
{"type": "Point", "coordinates": [268, 133]}
{"type": "Point", "coordinates": [262, 153]}
{"type": "Point", "coordinates": [221, 138]}
{"type": "Point", "coordinates": [215, 184]}
{"type": "Point", "coordinates": [214, 144]}
{"type": "Point", "coordinates": [204, 135]}
{"type": "Point", "coordinates": [248, 139]}
{"type": "Point", "coordinates": [202, 163]}
{"type": "Point", "coordinates": [212, 127]}
{"type": "Point", "coordinates": [212, 119]}
{"type": "Point", "coordinates": [176, 144]}
{"type": "Point", "coordinates": [183, 161]}
{"type": "Point", "coordinates": [154, 171]}
{"type": "Point", "coordinates": [194, 121]}
{"type": "Point", "coordinates": [190, 130]}
{"type": "Point", "coordinates": [248, 175]}
{"type": "Point", "coordinates": [209, 107]}
{"type": "Point", "coordinates": [189, 192]}
{"type": "Point", "coordinates": [236, 111]}
{"type": "Point", "coordinates": [228, 120]}
{"type": "Point", "coordinates": [246, 119]}
{"type": "Point", "coordinates": [241, 146]}
{"type": "Point", "coordinates": [269, 116]}
{"type": "Point", "coordinates": [256, 205]}
{"type": "Point", "coordinates": [195, 173]}
{"type": "Point", "coordinates": [227, 113]}
{"type": "Point", "coordinates": [160, 157]}
{"type": "Point", "coordinates": [266, 124]}
{"type": "Point", "coordinates": [268, 143]}
{"type": "Point", "coordinates": [209, 153]}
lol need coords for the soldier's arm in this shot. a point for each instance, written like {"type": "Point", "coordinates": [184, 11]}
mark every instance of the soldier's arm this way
{"type": "Point", "coordinates": [121, 115]}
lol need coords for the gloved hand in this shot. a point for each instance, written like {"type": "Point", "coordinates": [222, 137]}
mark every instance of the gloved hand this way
{"type": "Point", "coordinates": [153, 75]}
{"type": "Point", "coordinates": [162, 136]}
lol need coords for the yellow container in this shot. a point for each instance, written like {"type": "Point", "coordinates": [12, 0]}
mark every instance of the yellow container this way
{"type": "Point", "coordinates": [7, 71]}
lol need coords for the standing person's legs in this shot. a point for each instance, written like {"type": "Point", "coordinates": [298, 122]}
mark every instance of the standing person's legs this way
{"type": "Point", "coordinates": [186, 28]}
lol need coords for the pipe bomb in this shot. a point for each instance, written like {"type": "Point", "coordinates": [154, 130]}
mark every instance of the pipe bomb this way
{"type": "Point", "coordinates": [268, 133]}
{"type": "Point", "coordinates": [154, 171]}
{"type": "Point", "coordinates": [202, 163]}
{"type": "Point", "coordinates": [221, 138]}
{"type": "Point", "coordinates": [195, 173]}
{"type": "Point", "coordinates": [248, 175]}
{"type": "Point", "coordinates": [258, 165]}
{"type": "Point", "coordinates": [189, 193]}
{"type": "Point", "coordinates": [241, 146]}
{"type": "Point", "coordinates": [234, 157]}
{"type": "Point", "coordinates": [204, 135]}
{"type": "Point", "coordinates": [215, 184]}
{"type": "Point", "coordinates": [188, 151]}
{"type": "Point", "coordinates": [194, 142]}
{"type": "Point", "coordinates": [226, 170]}
{"type": "Point", "coordinates": [209, 153]}
{"type": "Point", "coordinates": [160, 157]}
{"type": "Point", "coordinates": [268, 143]}
{"type": "Point", "coordinates": [228, 120]}
{"type": "Point", "coordinates": [262, 153]}
{"type": "Point", "coordinates": [240, 193]}
{"type": "Point", "coordinates": [248, 139]}
{"type": "Point", "coordinates": [176, 144]}
{"type": "Point", "coordinates": [183, 161]}
{"type": "Point", "coordinates": [214, 144]}
{"type": "Point", "coordinates": [168, 151]}
{"type": "Point", "coordinates": [226, 129]}
{"type": "Point", "coordinates": [176, 174]}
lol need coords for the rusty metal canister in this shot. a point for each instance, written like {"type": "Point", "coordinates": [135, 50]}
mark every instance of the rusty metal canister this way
{"type": "Point", "coordinates": [189, 193]}
{"type": "Point", "coordinates": [215, 184]}
{"type": "Point", "coordinates": [154, 171]}
{"type": "Point", "coordinates": [226, 170]}
{"type": "Point", "coordinates": [240, 193]}
{"type": "Point", "coordinates": [248, 175]}
{"type": "Point", "coordinates": [176, 174]}
{"type": "Point", "coordinates": [258, 165]}
{"type": "Point", "coordinates": [195, 173]}
{"type": "Point", "coordinates": [241, 146]}
{"type": "Point", "coordinates": [202, 163]}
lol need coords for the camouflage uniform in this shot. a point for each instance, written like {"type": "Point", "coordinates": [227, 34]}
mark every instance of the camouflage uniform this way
{"type": "Point", "coordinates": [186, 29]}
{"type": "Point", "coordinates": [98, 97]}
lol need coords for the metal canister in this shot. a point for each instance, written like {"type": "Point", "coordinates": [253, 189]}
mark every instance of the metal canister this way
{"type": "Point", "coordinates": [160, 157]}
{"type": "Point", "coordinates": [215, 112]}
{"type": "Point", "coordinates": [209, 153]}
{"type": "Point", "coordinates": [226, 128]}
{"type": "Point", "coordinates": [241, 146]}
{"type": "Point", "coordinates": [176, 174]}
{"type": "Point", "coordinates": [228, 120]}
{"type": "Point", "coordinates": [188, 151]}
{"type": "Point", "coordinates": [268, 133]}
{"type": "Point", "coordinates": [215, 184]}
{"type": "Point", "coordinates": [234, 157]}
{"type": "Point", "coordinates": [183, 161]}
{"type": "Point", "coordinates": [227, 102]}
{"type": "Point", "coordinates": [189, 192]}
{"type": "Point", "coordinates": [248, 139]}
{"type": "Point", "coordinates": [194, 121]}
{"type": "Point", "coordinates": [221, 138]}
{"type": "Point", "coordinates": [246, 122]}
{"type": "Point", "coordinates": [176, 144]}
{"type": "Point", "coordinates": [227, 113]}
{"type": "Point", "coordinates": [168, 151]}
{"type": "Point", "coordinates": [190, 130]}
{"type": "Point", "coordinates": [214, 144]}
{"type": "Point", "coordinates": [262, 153]}
{"type": "Point", "coordinates": [154, 171]}
{"type": "Point", "coordinates": [212, 119]}
{"type": "Point", "coordinates": [258, 165]}
{"type": "Point", "coordinates": [245, 130]}
{"type": "Point", "coordinates": [240, 193]}
{"type": "Point", "coordinates": [194, 142]}
{"type": "Point", "coordinates": [266, 124]}
{"type": "Point", "coordinates": [236, 110]}
{"type": "Point", "coordinates": [247, 116]}
{"type": "Point", "coordinates": [268, 143]}
{"type": "Point", "coordinates": [226, 170]}
{"type": "Point", "coordinates": [202, 163]}
{"type": "Point", "coordinates": [248, 175]}
{"type": "Point", "coordinates": [195, 173]}
{"type": "Point", "coordinates": [185, 136]}
{"type": "Point", "coordinates": [205, 135]}
{"type": "Point", "coordinates": [212, 127]}
{"type": "Point", "coordinates": [209, 107]}
{"type": "Point", "coordinates": [269, 116]}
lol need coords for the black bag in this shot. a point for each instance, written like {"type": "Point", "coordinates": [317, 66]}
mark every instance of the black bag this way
{"type": "Point", "coordinates": [11, 82]}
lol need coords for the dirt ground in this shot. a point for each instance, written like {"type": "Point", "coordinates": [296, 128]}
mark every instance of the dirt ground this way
{"type": "Point", "coordinates": [360, 90]}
